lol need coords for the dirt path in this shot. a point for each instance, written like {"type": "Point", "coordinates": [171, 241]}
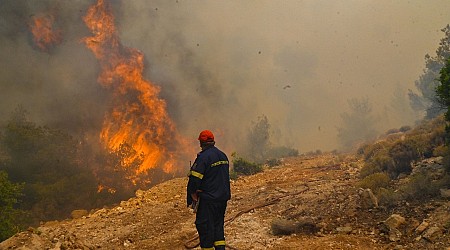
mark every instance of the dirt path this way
{"type": "Point", "coordinates": [158, 218]}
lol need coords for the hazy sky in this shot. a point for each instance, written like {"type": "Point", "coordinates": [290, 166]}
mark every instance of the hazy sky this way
{"type": "Point", "coordinates": [221, 64]}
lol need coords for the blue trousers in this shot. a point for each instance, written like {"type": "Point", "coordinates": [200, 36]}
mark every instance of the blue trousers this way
{"type": "Point", "coordinates": [209, 222]}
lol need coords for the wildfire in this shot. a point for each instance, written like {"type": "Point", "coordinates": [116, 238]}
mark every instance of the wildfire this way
{"type": "Point", "coordinates": [45, 35]}
{"type": "Point", "coordinates": [138, 116]}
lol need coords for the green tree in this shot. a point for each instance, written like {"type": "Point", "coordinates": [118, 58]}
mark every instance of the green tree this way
{"type": "Point", "coordinates": [48, 161]}
{"type": "Point", "coordinates": [443, 94]}
{"type": "Point", "coordinates": [358, 124]}
{"type": "Point", "coordinates": [426, 99]}
{"type": "Point", "coordinates": [9, 195]}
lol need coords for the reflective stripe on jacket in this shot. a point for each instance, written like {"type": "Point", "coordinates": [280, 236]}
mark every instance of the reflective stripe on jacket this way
{"type": "Point", "coordinates": [210, 174]}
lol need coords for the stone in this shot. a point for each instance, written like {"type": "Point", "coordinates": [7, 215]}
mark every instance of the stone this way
{"type": "Point", "coordinates": [345, 230]}
{"type": "Point", "coordinates": [287, 227]}
{"type": "Point", "coordinates": [422, 227]}
{"type": "Point", "coordinates": [79, 213]}
{"type": "Point", "coordinates": [432, 233]}
{"type": "Point", "coordinates": [394, 221]}
{"type": "Point", "coordinates": [139, 194]}
{"type": "Point", "coordinates": [368, 199]}
{"type": "Point", "coordinates": [394, 235]}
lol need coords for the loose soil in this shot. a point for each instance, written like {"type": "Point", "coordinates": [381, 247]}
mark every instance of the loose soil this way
{"type": "Point", "coordinates": [321, 188]}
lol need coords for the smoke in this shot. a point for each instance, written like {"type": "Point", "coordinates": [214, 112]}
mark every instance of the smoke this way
{"type": "Point", "coordinates": [221, 64]}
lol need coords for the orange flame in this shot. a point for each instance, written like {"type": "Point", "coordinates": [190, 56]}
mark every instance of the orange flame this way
{"type": "Point", "coordinates": [138, 116]}
{"type": "Point", "coordinates": [45, 35]}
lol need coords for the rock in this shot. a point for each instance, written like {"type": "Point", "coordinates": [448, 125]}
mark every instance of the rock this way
{"type": "Point", "coordinates": [394, 221]}
{"type": "Point", "coordinates": [77, 214]}
{"type": "Point", "coordinates": [432, 233]}
{"type": "Point", "coordinates": [422, 227]}
{"type": "Point", "coordinates": [139, 194]}
{"type": "Point", "coordinates": [368, 199]}
{"type": "Point", "coordinates": [394, 235]}
{"type": "Point", "coordinates": [287, 227]}
{"type": "Point", "coordinates": [345, 230]}
{"type": "Point", "coordinates": [390, 225]}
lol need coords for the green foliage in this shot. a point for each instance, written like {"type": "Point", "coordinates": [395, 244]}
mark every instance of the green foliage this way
{"type": "Point", "coordinates": [357, 125]}
{"type": "Point", "coordinates": [9, 195]}
{"type": "Point", "coordinates": [244, 167]}
{"type": "Point", "coordinates": [420, 186]}
{"type": "Point", "coordinates": [427, 82]}
{"type": "Point", "coordinates": [375, 182]}
{"type": "Point", "coordinates": [233, 175]}
{"type": "Point", "coordinates": [48, 162]}
{"type": "Point", "coordinates": [443, 94]}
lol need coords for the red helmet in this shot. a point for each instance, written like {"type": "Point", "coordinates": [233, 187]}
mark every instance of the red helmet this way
{"type": "Point", "coordinates": [206, 136]}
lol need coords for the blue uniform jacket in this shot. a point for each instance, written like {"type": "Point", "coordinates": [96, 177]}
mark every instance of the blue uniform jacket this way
{"type": "Point", "coordinates": [210, 173]}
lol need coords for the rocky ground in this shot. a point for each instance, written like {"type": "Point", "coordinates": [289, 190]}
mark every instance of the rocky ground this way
{"type": "Point", "coordinates": [316, 194]}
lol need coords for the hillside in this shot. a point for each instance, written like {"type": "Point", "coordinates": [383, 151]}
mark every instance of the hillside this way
{"type": "Point", "coordinates": [319, 190]}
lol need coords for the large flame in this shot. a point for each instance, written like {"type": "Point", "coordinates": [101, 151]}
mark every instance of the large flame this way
{"type": "Point", "coordinates": [45, 34]}
{"type": "Point", "coordinates": [138, 116]}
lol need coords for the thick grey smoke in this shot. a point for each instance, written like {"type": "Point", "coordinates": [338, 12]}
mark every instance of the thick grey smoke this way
{"type": "Point", "coordinates": [221, 64]}
{"type": "Point", "coordinates": [58, 86]}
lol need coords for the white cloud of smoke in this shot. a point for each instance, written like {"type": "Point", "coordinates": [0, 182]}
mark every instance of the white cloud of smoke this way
{"type": "Point", "coordinates": [221, 64]}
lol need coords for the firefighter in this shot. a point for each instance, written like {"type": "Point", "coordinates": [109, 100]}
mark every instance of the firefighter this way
{"type": "Point", "coordinates": [209, 188]}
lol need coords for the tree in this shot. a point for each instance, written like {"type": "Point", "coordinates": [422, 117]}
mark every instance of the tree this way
{"type": "Point", "coordinates": [259, 139]}
{"type": "Point", "coordinates": [429, 80]}
{"type": "Point", "coordinates": [56, 179]}
{"type": "Point", "coordinates": [443, 94]}
{"type": "Point", "coordinates": [358, 124]}
{"type": "Point", "coordinates": [9, 195]}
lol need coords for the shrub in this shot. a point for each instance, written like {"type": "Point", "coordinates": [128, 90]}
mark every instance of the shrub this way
{"type": "Point", "coordinates": [9, 196]}
{"type": "Point", "coordinates": [273, 162]}
{"type": "Point", "coordinates": [392, 131]}
{"type": "Point", "coordinates": [420, 186]}
{"type": "Point", "coordinates": [383, 161]}
{"type": "Point", "coordinates": [282, 151]}
{"type": "Point", "coordinates": [405, 128]}
{"type": "Point", "coordinates": [441, 150]}
{"type": "Point", "coordinates": [244, 167]}
{"type": "Point", "coordinates": [233, 175]}
{"type": "Point", "coordinates": [375, 181]}
{"type": "Point", "coordinates": [402, 153]}
{"type": "Point", "coordinates": [368, 151]}
{"type": "Point", "coordinates": [369, 169]}
{"type": "Point", "coordinates": [387, 197]}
